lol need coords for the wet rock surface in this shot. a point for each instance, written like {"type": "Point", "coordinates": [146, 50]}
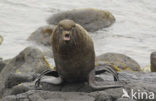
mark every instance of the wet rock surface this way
{"type": "Point", "coordinates": [2, 64]}
{"type": "Point", "coordinates": [142, 82]}
{"type": "Point", "coordinates": [15, 79]}
{"type": "Point", "coordinates": [91, 19]}
{"type": "Point", "coordinates": [50, 96]}
{"type": "Point", "coordinates": [29, 60]}
{"type": "Point", "coordinates": [42, 35]}
{"type": "Point", "coordinates": [118, 61]}
{"type": "Point", "coordinates": [41, 38]}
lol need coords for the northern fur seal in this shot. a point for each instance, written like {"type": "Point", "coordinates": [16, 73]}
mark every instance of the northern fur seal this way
{"type": "Point", "coordinates": [74, 57]}
{"type": "Point", "coordinates": [73, 51]}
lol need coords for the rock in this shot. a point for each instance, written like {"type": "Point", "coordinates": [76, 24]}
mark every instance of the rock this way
{"type": "Point", "coordinates": [15, 79]}
{"type": "Point", "coordinates": [29, 60]}
{"type": "Point", "coordinates": [125, 99]}
{"type": "Point", "coordinates": [2, 65]}
{"type": "Point", "coordinates": [42, 35]}
{"type": "Point", "coordinates": [74, 87]}
{"type": "Point", "coordinates": [1, 39]}
{"type": "Point", "coordinates": [22, 88]}
{"type": "Point", "coordinates": [50, 96]}
{"type": "Point", "coordinates": [103, 97]}
{"type": "Point", "coordinates": [7, 61]}
{"type": "Point", "coordinates": [118, 61]}
{"type": "Point", "coordinates": [91, 19]}
{"type": "Point", "coordinates": [153, 62]}
{"type": "Point", "coordinates": [41, 38]}
{"type": "Point", "coordinates": [137, 81]}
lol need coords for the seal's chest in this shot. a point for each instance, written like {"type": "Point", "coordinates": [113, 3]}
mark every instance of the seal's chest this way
{"type": "Point", "coordinates": [72, 69]}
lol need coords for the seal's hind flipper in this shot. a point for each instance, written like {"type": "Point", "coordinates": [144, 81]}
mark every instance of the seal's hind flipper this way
{"type": "Point", "coordinates": [105, 84]}
{"type": "Point", "coordinates": [107, 68]}
{"type": "Point", "coordinates": [48, 76]}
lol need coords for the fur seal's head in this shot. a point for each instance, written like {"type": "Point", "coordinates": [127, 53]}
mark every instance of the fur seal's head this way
{"type": "Point", "coordinates": [66, 27]}
{"type": "Point", "coordinates": [67, 35]}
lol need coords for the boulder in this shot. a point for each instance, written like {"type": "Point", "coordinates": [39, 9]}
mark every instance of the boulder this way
{"type": "Point", "coordinates": [29, 60]}
{"type": "Point", "coordinates": [18, 78]}
{"type": "Point", "coordinates": [42, 35]}
{"type": "Point", "coordinates": [91, 19]}
{"type": "Point", "coordinates": [2, 64]}
{"type": "Point", "coordinates": [1, 39]}
{"type": "Point", "coordinates": [41, 39]}
{"type": "Point", "coordinates": [118, 61]}
{"type": "Point", "coordinates": [137, 81]}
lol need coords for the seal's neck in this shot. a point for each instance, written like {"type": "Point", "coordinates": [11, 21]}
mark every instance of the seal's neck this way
{"type": "Point", "coordinates": [69, 49]}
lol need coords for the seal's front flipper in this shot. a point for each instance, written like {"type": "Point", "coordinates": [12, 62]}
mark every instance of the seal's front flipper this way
{"type": "Point", "coordinates": [109, 76]}
{"type": "Point", "coordinates": [48, 76]}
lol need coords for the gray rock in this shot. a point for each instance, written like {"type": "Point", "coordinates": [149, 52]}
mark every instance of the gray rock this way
{"type": "Point", "coordinates": [29, 60]}
{"type": "Point", "coordinates": [2, 65]}
{"type": "Point", "coordinates": [103, 97]}
{"type": "Point", "coordinates": [10, 98]}
{"type": "Point", "coordinates": [20, 88]}
{"type": "Point", "coordinates": [15, 79]}
{"type": "Point", "coordinates": [125, 99]}
{"type": "Point", "coordinates": [66, 87]}
{"type": "Point", "coordinates": [50, 96]}
{"type": "Point", "coordinates": [42, 35]}
{"type": "Point", "coordinates": [118, 61]}
{"type": "Point", "coordinates": [41, 38]}
{"type": "Point", "coordinates": [91, 19]}
{"type": "Point", "coordinates": [138, 81]}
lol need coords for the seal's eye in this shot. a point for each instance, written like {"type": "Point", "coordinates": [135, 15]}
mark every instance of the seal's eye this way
{"type": "Point", "coordinates": [73, 28]}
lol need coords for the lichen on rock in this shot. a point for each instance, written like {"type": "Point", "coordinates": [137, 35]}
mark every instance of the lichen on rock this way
{"type": "Point", "coordinates": [118, 61]}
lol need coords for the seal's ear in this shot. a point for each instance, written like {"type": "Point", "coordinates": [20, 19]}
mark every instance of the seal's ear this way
{"type": "Point", "coordinates": [48, 30]}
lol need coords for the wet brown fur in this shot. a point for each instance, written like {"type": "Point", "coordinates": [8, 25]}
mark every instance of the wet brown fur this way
{"type": "Point", "coordinates": [76, 58]}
